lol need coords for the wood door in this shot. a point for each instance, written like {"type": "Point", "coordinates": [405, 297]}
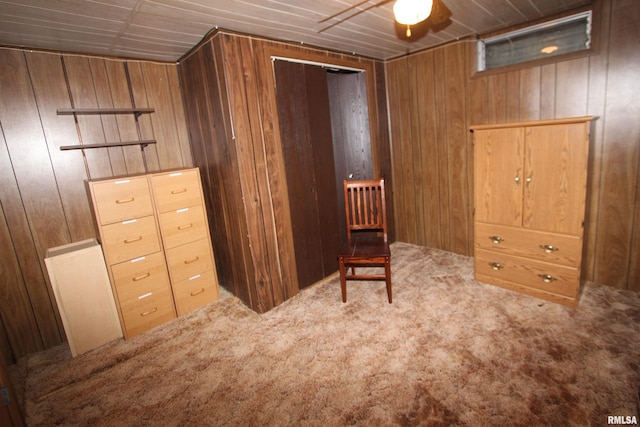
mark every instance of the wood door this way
{"type": "Point", "coordinates": [350, 126]}
{"type": "Point", "coordinates": [498, 178]}
{"type": "Point", "coordinates": [305, 129]}
{"type": "Point", "coordinates": [350, 132]}
{"type": "Point", "coordinates": [556, 177]}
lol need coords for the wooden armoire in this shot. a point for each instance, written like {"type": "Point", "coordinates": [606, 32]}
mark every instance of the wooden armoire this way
{"type": "Point", "coordinates": [530, 182]}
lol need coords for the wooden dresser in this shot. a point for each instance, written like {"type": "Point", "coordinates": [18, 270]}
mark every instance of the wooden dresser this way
{"type": "Point", "coordinates": [529, 198]}
{"type": "Point", "coordinates": [156, 242]}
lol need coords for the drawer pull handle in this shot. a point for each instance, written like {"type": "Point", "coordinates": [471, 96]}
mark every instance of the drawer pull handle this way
{"type": "Point", "coordinates": [198, 292]}
{"type": "Point", "coordinates": [548, 248]}
{"type": "Point", "coordinates": [141, 277]}
{"type": "Point", "coordinates": [192, 260]}
{"type": "Point", "coordinates": [137, 239]}
{"type": "Point", "coordinates": [547, 278]}
{"type": "Point", "coordinates": [146, 313]}
{"type": "Point", "coordinates": [496, 239]}
{"type": "Point", "coordinates": [184, 227]}
{"type": "Point", "coordinates": [129, 200]}
{"type": "Point", "coordinates": [182, 190]}
{"type": "Point", "coordinates": [496, 266]}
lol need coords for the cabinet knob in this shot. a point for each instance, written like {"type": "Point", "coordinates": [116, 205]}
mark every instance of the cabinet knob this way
{"type": "Point", "coordinates": [496, 266]}
{"type": "Point", "coordinates": [548, 248]}
{"type": "Point", "coordinates": [547, 278]}
{"type": "Point", "coordinates": [496, 239]}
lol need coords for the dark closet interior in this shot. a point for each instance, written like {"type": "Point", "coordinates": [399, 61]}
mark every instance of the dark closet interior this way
{"type": "Point", "coordinates": [324, 127]}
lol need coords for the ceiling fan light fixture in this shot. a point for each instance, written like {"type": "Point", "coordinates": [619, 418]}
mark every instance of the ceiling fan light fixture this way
{"type": "Point", "coordinates": [410, 12]}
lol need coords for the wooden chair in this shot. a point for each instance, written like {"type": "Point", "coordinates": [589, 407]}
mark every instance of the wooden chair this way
{"type": "Point", "coordinates": [367, 244]}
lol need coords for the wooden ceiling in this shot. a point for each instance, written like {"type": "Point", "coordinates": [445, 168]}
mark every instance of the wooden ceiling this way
{"type": "Point", "coordinates": [165, 30]}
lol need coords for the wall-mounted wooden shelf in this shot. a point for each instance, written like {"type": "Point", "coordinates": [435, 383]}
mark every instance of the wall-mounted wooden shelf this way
{"type": "Point", "coordinates": [137, 112]}
{"type": "Point", "coordinates": [94, 111]}
{"type": "Point", "coordinates": [142, 144]}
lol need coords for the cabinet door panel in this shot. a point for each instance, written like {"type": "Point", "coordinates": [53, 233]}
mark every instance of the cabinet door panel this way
{"type": "Point", "coordinates": [183, 226]}
{"type": "Point", "coordinates": [122, 199]}
{"type": "Point", "coordinates": [176, 190]}
{"type": "Point", "coordinates": [552, 278]}
{"type": "Point", "coordinates": [195, 291]}
{"type": "Point", "coordinates": [147, 311]}
{"type": "Point", "coordinates": [498, 176]}
{"type": "Point", "coordinates": [555, 178]}
{"type": "Point", "coordinates": [189, 259]}
{"type": "Point", "coordinates": [542, 246]}
{"type": "Point", "coordinates": [130, 239]}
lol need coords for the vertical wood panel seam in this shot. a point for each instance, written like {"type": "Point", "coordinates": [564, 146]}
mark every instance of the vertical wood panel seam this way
{"type": "Point", "coordinates": [596, 258]}
{"type": "Point", "coordinates": [33, 245]}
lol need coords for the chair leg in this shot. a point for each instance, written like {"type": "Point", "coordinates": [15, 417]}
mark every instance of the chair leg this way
{"type": "Point", "coordinates": [387, 273]}
{"type": "Point", "coordinates": [343, 279]}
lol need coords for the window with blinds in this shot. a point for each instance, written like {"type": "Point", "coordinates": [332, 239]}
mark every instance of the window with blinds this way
{"type": "Point", "coordinates": [553, 38]}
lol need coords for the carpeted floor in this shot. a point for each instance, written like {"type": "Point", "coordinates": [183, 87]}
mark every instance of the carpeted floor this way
{"type": "Point", "coordinates": [448, 351]}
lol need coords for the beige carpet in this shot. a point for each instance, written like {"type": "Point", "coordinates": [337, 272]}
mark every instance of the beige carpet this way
{"type": "Point", "coordinates": [448, 351]}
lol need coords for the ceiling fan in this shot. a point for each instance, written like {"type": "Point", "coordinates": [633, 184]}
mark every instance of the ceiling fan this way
{"type": "Point", "coordinates": [407, 12]}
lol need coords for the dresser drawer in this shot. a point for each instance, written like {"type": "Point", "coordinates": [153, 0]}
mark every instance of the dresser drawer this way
{"type": "Point", "coordinates": [183, 225]}
{"type": "Point", "coordinates": [176, 190]}
{"type": "Point", "coordinates": [542, 246]}
{"type": "Point", "coordinates": [186, 260]}
{"type": "Point", "coordinates": [130, 239]}
{"type": "Point", "coordinates": [557, 279]}
{"type": "Point", "coordinates": [140, 276]}
{"type": "Point", "coordinates": [195, 292]}
{"type": "Point", "coordinates": [147, 311]}
{"type": "Point", "coordinates": [121, 199]}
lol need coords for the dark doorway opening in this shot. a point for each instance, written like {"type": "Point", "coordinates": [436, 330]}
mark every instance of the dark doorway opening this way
{"type": "Point", "coordinates": [324, 127]}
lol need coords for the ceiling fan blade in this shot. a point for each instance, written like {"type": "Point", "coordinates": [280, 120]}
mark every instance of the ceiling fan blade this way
{"type": "Point", "coordinates": [440, 13]}
{"type": "Point", "coordinates": [380, 3]}
{"type": "Point", "coordinates": [343, 11]}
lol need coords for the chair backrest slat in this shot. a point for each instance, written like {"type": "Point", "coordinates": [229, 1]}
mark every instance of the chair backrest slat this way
{"type": "Point", "coordinates": [365, 206]}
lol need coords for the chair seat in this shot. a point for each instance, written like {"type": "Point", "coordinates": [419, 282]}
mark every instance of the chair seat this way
{"type": "Point", "coordinates": [365, 248]}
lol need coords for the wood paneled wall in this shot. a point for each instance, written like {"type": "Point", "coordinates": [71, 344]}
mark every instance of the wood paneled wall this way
{"type": "Point", "coordinates": [43, 199]}
{"type": "Point", "coordinates": [434, 98]}
{"type": "Point", "coordinates": [229, 92]}
{"type": "Point", "coordinates": [228, 89]}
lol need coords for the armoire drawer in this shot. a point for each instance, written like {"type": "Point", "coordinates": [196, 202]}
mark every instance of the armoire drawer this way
{"type": "Point", "coordinates": [183, 226]}
{"type": "Point", "coordinates": [122, 199]}
{"type": "Point", "coordinates": [140, 276]}
{"type": "Point", "coordinates": [130, 239]}
{"type": "Point", "coordinates": [195, 291]}
{"type": "Point", "coordinates": [147, 311]}
{"type": "Point", "coordinates": [176, 190]}
{"type": "Point", "coordinates": [191, 258]}
{"type": "Point", "coordinates": [553, 278]}
{"type": "Point", "coordinates": [542, 246]}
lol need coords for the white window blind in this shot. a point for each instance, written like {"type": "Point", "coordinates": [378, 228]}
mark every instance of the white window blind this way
{"type": "Point", "coordinates": [553, 38]}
